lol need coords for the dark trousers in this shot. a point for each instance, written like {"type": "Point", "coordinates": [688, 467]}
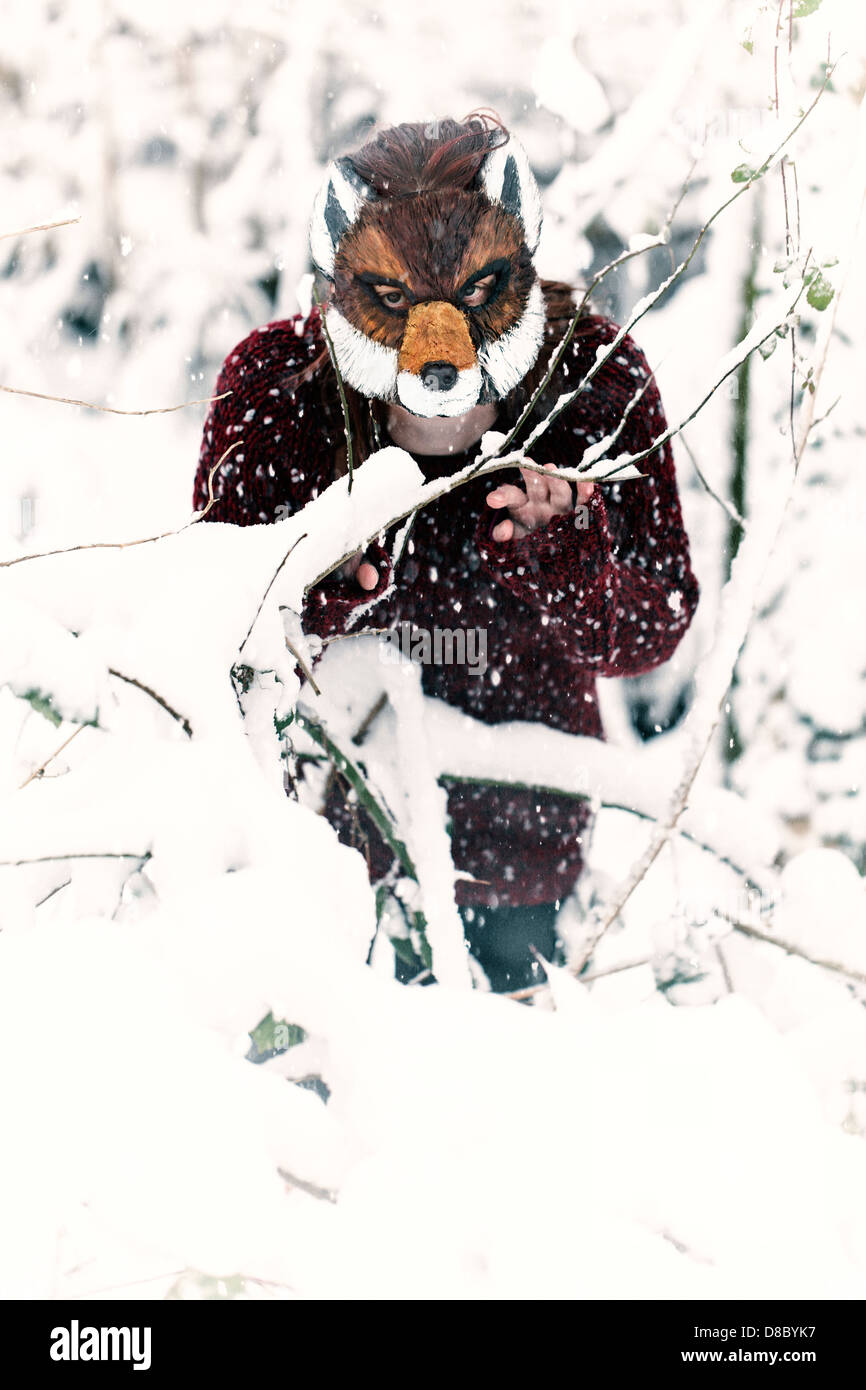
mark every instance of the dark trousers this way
{"type": "Point", "coordinates": [500, 939]}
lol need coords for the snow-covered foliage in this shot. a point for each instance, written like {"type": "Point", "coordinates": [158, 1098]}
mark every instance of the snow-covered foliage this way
{"type": "Point", "coordinates": [685, 1119]}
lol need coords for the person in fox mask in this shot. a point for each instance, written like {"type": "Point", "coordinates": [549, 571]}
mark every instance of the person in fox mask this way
{"type": "Point", "coordinates": [442, 330]}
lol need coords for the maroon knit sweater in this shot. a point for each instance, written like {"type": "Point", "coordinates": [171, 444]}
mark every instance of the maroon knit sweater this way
{"type": "Point", "coordinates": [560, 607]}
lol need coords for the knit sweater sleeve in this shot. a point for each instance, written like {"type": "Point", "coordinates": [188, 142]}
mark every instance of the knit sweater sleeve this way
{"type": "Point", "coordinates": [285, 447]}
{"type": "Point", "coordinates": [612, 581]}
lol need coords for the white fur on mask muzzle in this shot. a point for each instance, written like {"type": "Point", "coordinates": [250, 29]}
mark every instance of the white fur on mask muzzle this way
{"type": "Point", "coordinates": [421, 400]}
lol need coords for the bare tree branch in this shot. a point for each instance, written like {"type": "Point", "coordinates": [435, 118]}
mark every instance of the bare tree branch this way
{"type": "Point", "coordinates": [111, 409]}
{"type": "Point", "coordinates": [727, 507]}
{"type": "Point", "coordinates": [271, 584]}
{"type": "Point", "coordinates": [126, 545]}
{"type": "Point", "coordinates": [58, 858]}
{"type": "Point", "coordinates": [305, 670]}
{"type": "Point", "coordinates": [754, 934]}
{"type": "Point", "coordinates": [163, 704]}
{"type": "Point", "coordinates": [347, 426]}
{"type": "Point", "coordinates": [532, 991]}
{"type": "Point", "coordinates": [569, 333]}
{"type": "Point", "coordinates": [42, 227]}
{"type": "Point", "coordinates": [38, 771]}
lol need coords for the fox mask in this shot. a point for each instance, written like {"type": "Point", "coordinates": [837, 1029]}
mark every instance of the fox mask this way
{"type": "Point", "coordinates": [435, 304]}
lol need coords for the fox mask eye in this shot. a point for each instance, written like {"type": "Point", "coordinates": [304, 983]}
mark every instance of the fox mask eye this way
{"type": "Point", "coordinates": [478, 292]}
{"type": "Point", "coordinates": [388, 292]}
{"type": "Point", "coordinates": [486, 283]}
{"type": "Point", "coordinates": [394, 299]}
{"type": "Point", "coordinates": [473, 294]}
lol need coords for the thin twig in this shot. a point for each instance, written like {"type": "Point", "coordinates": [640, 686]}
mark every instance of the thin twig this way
{"type": "Point", "coordinates": [42, 227]}
{"type": "Point", "coordinates": [530, 991]}
{"type": "Point", "coordinates": [127, 1283]}
{"type": "Point", "coordinates": [111, 409]}
{"type": "Point", "coordinates": [127, 545]}
{"type": "Point", "coordinates": [210, 477]}
{"type": "Point", "coordinates": [323, 1194]}
{"type": "Point", "coordinates": [347, 427]}
{"type": "Point", "coordinates": [65, 884]}
{"type": "Point", "coordinates": [305, 670]}
{"type": "Point", "coordinates": [37, 772]}
{"type": "Point", "coordinates": [369, 720]}
{"type": "Point", "coordinates": [566, 339]}
{"type": "Point", "coordinates": [271, 584]}
{"type": "Point", "coordinates": [745, 929]}
{"type": "Point", "coordinates": [723, 963]}
{"type": "Point", "coordinates": [686, 185]}
{"type": "Point", "coordinates": [821, 418]}
{"type": "Point", "coordinates": [57, 858]}
{"type": "Point", "coordinates": [163, 704]}
{"type": "Point", "coordinates": [726, 506]}
{"type": "Point", "coordinates": [350, 636]}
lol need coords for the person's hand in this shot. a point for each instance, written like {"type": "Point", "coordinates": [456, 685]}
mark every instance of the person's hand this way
{"type": "Point", "coordinates": [544, 498]}
{"type": "Point", "coordinates": [359, 569]}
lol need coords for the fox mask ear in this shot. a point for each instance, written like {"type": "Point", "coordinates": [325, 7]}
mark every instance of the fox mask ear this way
{"type": "Point", "coordinates": [507, 179]}
{"type": "Point", "coordinates": [338, 202]}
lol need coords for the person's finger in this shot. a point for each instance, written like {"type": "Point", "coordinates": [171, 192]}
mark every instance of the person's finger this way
{"type": "Point", "coordinates": [537, 486]}
{"type": "Point", "coordinates": [585, 491]}
{"type": "Point", "coordinates": [507, 495]}
{"type": "Point", "coordinates": [558, 490]}
{"type": "Point", "coordinates": [368, 575]}
{"type": "Point", "coordinates": [560, 494]}
{"type": "Point", "coordinates": [503, 530]}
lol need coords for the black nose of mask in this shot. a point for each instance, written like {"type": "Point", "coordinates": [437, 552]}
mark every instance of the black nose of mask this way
{"type": "Point", "coordinates": [438, 376]}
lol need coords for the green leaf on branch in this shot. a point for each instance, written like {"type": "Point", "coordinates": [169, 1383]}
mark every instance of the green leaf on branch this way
{"type": "Point", "coordinates": [820, 292]}
{"type": "Point", "coordinates": [743, 173]}
{"type": "Point", "coordinates": [42, 705]}
{"type": "Point", "coordinates": [275, 1035]}
{"type": "Point", "coordinates": [383, 893]}
{"type": "Point", "coordinates": [354, 773]}
{"type": "Point", "coordinates": [804, 7]}
{"type": "Point", "coordinates": [404, 951]}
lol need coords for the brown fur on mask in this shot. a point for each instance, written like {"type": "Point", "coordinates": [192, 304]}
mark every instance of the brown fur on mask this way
{"type": "Point", "coordinates": [432, 243]}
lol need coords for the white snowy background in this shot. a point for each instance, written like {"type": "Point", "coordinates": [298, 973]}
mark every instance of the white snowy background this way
{"type": "Point", "coordinates": [688, 1119]}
